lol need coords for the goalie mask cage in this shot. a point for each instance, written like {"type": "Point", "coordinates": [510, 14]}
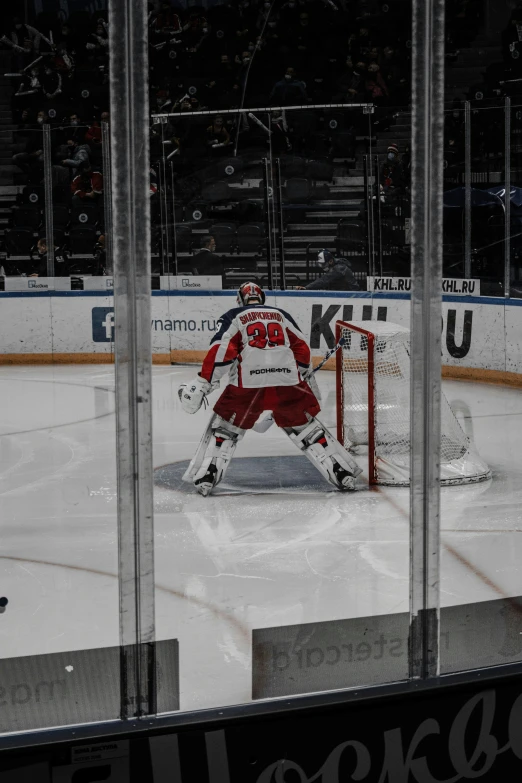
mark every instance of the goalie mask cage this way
{"type": "Point", "coordinates": [373, 407]}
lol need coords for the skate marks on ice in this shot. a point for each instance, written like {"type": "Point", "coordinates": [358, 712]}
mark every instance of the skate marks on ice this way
{"type": "Point", "coordinates": [254, 475]}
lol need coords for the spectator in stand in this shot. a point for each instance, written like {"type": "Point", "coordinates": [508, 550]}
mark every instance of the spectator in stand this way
{"type": "Point", "coordinates": [337, 275]}
{"type": "Point", "coordinates": [242, 73]}
{"type": "Point", "coordinates": [392, 177]}
{"type": "Point", "coordinates": [166, 24]}
{"type": "Point", "coordinates": [355, 90]}
{"type": "Point", "coordinates": [73, 128]}
{"type": "Point", "coordinates": [51, 83]}
{"type": "Point", "coordinates": [78, 154]}
{"type": "Point", "coordinates": [31, 160]}
{"type": "Point", "coordinates": [393, 75]}
{"type": "Point", "coordinates": [73, 42]}
{"type": "Point", "coordinates": [93, 137]}
{"type": "Point", "coordinates": [63, 64]}
{"type": "Point", "coordinates": [224, 74]}
{"type": "Point", "coordinates": [25, 123]}
{"type": "Point", "coordinates": [359, 45]}
{"type": "Point", "coordinates": [289, 91]}
{"type": "Point", "coordinates": [87, 184]}
{"type": "Point", "coordinates": [375, 86]}
{"type": "Point", "coordinates": [206, 262]}
{"type": "Point", "coordinates": [38, 259]}
{"type": "Point", "coordinates": [24, 41]}
{"type": "Point", "coordinates": [303, 35]}
{"type": "Point", "coordinates": [217, 135]}
{"type": "Point", "coordinates": [98, 42]}
{"type": "Point", "coordinates": [221, 82]}
{"type": "Point", "coordinates": [289, 14]}
{"type": "Point", "coordinates": [195, 30]}
{"type": "Point", "coordinates": [163, 101]}
{"type": "Point", "coordinates": [246, 21]}
{"type": "Point", "coordinates": [30, 88]}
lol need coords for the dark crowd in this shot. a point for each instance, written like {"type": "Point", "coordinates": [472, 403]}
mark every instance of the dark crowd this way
{"type": "Point", "coordinates": [260, 57]}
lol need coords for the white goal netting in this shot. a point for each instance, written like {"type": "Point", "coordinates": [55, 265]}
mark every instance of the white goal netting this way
{"type": "Point", "coordinates": [373, 391]}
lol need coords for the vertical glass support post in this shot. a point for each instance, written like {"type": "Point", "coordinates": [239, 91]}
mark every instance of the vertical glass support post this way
{"type": "Point", "coordinates": [48, 199]}
{"type": "Point", "coordinates": [379, 213]}
{"type": "Point", "coordinates": [107, 195]}
{"type": "Point", "coordinates": [426, 314]}
{"type": "Point", "coordinates": [368, 181]}
{"type": "Point", "coordinates": [131, 249]}
{"type": "Point", "coordinates": [467, 192]}
{"type": "Point", "coordinates": [174, 269]}
{"type": "Point", "coordinates": [268, 192]}
{"type": "Point", "coordinates": [278, 186]}
{"type": "Point", "coordinates": [507, 198]}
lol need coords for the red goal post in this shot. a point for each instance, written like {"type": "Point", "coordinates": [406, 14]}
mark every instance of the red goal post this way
{"type": "Point", "coordinates": [373, 407]}
{"type": "Point", "coordinates": [370, 336]}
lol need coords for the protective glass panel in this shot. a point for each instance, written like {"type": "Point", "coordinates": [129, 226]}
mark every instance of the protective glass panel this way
{"type": "Point", "coordinates": [60, 659]}
{"type": "Point", "coordinates": [253, 577]}
{"type": "Point", "coordinates": [480, 572]}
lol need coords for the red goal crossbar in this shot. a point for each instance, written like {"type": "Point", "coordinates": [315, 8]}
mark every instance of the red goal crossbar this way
{"type": "Point", "coordinates": [339, 326]}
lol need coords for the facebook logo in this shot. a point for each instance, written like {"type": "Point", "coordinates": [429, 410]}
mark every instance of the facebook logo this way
{"type": "Point", "coordinates": [103, 324]}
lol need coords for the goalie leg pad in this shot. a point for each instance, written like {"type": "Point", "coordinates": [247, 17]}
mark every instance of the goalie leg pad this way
{"type": "Point", "coordinates": [326, 453]}
{"type": "Point", "coordinates": [226, 438]}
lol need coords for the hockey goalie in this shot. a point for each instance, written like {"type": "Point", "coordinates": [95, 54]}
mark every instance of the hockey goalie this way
{"type": "Point", "coordinates": [268, 362]}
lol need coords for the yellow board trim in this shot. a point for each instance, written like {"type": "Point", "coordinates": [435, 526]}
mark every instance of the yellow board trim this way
{"type": "Point", "coordinates": [478, 375]}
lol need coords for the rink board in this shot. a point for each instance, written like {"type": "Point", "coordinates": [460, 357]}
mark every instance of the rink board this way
{"type": "Point", "coordinates": [481, 337]}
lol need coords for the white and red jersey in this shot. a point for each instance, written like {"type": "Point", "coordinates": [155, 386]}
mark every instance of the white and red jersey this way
{"type": "Point", "coordinates": [259, 346]}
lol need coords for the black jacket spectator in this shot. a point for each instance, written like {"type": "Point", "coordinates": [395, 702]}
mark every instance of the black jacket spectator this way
{"type": "Point", "coordinates": [206, 262]}
{"type": "Point", "coordinates": [38, 259]}
{"type": "Point", "coordinates": [78, 155]}
{"type": "Point", "coordinates": [289, 91]}
{"type": "Point", "coordinates": [337, 277]}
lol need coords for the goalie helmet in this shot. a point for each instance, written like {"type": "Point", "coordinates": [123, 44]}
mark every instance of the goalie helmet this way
{"type": "Point", "coordinates": [249, 292]}
{"type": "Point", "coordinates": [325, 257]}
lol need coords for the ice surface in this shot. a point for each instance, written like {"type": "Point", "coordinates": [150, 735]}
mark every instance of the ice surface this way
{"type": "Point", "coordinates": [278, 549]}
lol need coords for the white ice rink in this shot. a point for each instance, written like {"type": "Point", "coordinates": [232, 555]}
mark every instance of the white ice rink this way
{"type": "Point", "coordinates": [284, 550]}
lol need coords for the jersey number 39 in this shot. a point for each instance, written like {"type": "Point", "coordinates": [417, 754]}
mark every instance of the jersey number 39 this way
{"type": "Point", "coordinates": [265, 335]}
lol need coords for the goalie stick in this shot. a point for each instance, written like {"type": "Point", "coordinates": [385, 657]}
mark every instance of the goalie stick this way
{"type": "Point", "coordinates": [323, 362]}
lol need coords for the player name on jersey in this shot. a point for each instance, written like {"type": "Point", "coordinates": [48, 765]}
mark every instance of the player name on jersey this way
{"type": "Point", "coordinates": [456, 286]}
{"type": "Point", "coordinates": [258, 315]}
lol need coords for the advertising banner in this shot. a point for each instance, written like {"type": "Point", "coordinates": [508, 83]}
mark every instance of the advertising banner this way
{"type": "Point", "coordinates": [480, 333]}
{"type": "Point", "coordinates": [449, 285]}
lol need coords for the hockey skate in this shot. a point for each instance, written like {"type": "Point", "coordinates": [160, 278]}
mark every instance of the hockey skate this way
{"type": "Point", "coordinates": [226, 438]}
{"type": "Point", "coordinates": [206, 483]}
{"type": "Point", "coordinates": [345, 480]}
{"type": "Point", "coordinates": [327, 454]}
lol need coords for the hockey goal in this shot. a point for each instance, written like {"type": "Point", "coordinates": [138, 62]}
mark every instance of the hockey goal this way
{"type": "Point", "coordinates": [373, 407]}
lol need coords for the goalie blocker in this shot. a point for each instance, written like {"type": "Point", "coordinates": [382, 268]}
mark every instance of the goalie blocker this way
{"type": "Point", "coordinates": [267, 358]}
